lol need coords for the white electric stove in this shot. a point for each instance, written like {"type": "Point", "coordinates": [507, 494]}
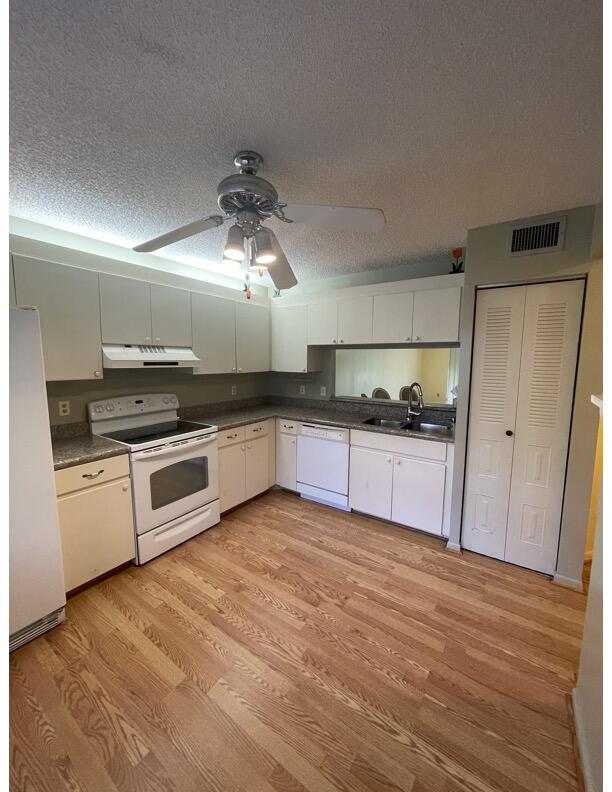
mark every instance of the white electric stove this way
{"type": "Point", "coordinates": [174, 467]}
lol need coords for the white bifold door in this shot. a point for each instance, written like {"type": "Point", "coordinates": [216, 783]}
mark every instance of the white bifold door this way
{"type": "Point", "coordinates": [523, 372]}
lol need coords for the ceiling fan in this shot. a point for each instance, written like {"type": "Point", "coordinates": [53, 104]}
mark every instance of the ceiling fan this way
{"type": "Point", "coordinates": [249, 200]}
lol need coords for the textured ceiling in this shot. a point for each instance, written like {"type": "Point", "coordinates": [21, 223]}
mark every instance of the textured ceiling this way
{"type": "Point", "coordinates": [125, 114]}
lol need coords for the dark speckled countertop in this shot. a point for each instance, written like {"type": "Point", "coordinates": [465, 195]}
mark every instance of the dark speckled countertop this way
{"type": "Point", "coordinates": [81, 447]}
{"type": "Point", "coordinates": [77, 450]}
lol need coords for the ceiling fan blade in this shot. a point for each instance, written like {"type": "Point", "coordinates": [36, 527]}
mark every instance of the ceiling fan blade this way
{"type": "Point", "coordinates": [337, 218]}
{"type": "Point", "coordinates": [280, 270]}
{"type": "Point", "coordinates": [180, 233]}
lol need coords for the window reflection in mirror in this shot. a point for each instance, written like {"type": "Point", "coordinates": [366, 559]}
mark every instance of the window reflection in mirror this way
{"type": "Point", "coordinates": [374, 373]}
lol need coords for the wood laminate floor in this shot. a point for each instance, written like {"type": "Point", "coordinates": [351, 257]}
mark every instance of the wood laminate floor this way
{"type": "Point", "coordinates": [294, 648]}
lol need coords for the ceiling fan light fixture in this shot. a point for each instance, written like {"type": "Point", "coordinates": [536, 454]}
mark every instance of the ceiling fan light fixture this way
{"type": "Point", "coordinates": [264, 254]}
{"type": "Point", "coordinates": [234, 247]}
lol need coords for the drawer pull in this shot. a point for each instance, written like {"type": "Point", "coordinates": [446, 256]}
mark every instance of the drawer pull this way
{"type": "Point", "coordinates": [230, 437]}
{"type": "Point", "coordinates": [93, 475]}
{"type": "Point", "coordinates": [258, 430]}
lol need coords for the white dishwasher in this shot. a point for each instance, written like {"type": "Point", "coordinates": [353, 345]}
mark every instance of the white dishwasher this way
{"type": "Point", "coordinates": [323, 464]}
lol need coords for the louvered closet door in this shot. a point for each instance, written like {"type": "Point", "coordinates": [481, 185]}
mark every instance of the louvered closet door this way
{"type": "Point", "coordinates": [496, 362]}
{"type": "Point", "coordinates": [548, 365]}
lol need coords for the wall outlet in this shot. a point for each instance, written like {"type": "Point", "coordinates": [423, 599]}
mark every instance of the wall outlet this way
{"type": "Point", "coordinates": [302, 390]}
{"type": "Point", "coordinates": [323, 390]}
{"type": "Point", "coordinates": [234, 390]}
{"type": "Point", "coordinates": [63, 407]}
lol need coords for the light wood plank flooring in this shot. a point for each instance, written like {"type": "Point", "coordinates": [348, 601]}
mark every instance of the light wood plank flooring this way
{"type": "Point", "coordinates": [295, 647]}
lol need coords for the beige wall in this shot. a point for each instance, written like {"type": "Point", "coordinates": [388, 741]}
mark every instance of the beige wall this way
{"type": "Point", "coordinates": [488, 263]}
{"type": "Point", "coordinates": [587, 695]}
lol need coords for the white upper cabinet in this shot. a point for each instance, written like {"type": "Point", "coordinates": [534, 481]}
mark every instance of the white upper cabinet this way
{"type": "Point", "coordinates": [355, 320]}
{"type": "Point", "coordinates": [252, 337]}
{"type": "Point", "coordinates": [436, 315]}
{"type": "Point", "coordinates": [323, 322]}
{"type": "Point", "coordinates": [289, 338]}
{"type": "Point", "coordinates": [214, 333]}
{"type": "Point", "coordinates": [170, 316]}
{"type": "Point", "coordinates": [125, 306]}
{"type": "Point", "coordinates": [392, 318]}
{"type": "Point", "coordinates": [68, 303]}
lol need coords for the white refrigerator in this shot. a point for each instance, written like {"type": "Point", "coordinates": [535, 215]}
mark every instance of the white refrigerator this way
{"type": "Point", "coordinates": [37, 596]}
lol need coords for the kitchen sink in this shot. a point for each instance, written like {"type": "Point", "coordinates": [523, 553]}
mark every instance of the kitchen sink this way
{"type": "Point", "coordinates": [388, 423]}
{"type": "Point", "coordinates": [430, 426]}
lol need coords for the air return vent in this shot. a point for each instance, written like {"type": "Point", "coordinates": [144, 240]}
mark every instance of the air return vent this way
{"type": "Point", "coordinates": [537, 238]}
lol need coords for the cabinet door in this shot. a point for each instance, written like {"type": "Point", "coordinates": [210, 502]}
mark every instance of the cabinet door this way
{"type": "Point", "coordinates": [418, 494]}
{"type": "Point", "coordinates": [323, 322]}
{"type": "Point", "coordinates": [97, 531]}
{"type": "Point", "coordinates": [355, 320]}
{"type": "Point", "coordinates": [252, 337]}
{"type": "Point", "coordinates": [370, 482]}
{"type": "Point", "coordinates": [392, 319]}
{"type": "Point", "coordinates": [214, 333]}
{"type": "Point", "coordinates": [436, 315]}
{"type": "Point", "coordinates": [232, 482]}
{"type": "Point", "coordinates": [289, 338]}
{"type": "Point", "coordinates": [170, 316]}
{"type": "Point", "coordinates": [69, 306]}
{"type": "Point", "coordinates": [257, 466]}
{"type": "Point", "coordinates": [286, 461]}
{"type": "Point", "coordinates": [125, 307]}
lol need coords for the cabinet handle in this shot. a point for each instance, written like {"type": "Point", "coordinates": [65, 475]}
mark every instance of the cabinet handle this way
{"type": "Point", "coordinates": [408, 338]}
{"type": "Point", "coordinates": [125, 487]}
{"type": "Point", "coordinates": [239, 369]}
{"type": "Point", "coordinates": [303, 369]}
{"type": "Point", "coordinates": [249, 445]}
{"type": "Point", "coordinates": [93, 475]}
{"type": "Point", "coordinates": [260, 429]}
{"type": "Point", "coordinates": [230, 437]}
{"type": "Point", "coordinates": [158, 339]}
{"type": "Point", "coordinates": [389, 459]}
{"type": "Point", "coordinates": [418, 338]}
{"type": "Point", "coordinates": [97, 374]}
{"type": "Point", "coordinates": [509, 432]}
{"type": "Point", "coordinates": [342, 340]}
{"type": "Point", "coordinates": [333, 340]}
{"type": "Point", "coordinates": [234, 368]}
{"type": "Point", "coordinates": [293, 441]}
{"type": "Point", "coordinates": [398, 461]}
{"type": "Point", "coordinates": [242, 448]}
{"type": "Point", "coordinates": [147, 338]}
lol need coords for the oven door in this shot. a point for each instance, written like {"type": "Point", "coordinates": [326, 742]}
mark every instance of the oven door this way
{"type": "Point", "coordinates": [172, 480]}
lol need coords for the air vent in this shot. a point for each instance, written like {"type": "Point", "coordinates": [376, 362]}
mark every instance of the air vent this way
{"type": "Point", "coordinates": [537, 238]}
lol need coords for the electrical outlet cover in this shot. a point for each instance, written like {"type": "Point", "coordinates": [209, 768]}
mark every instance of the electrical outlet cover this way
{"type": "Point", "coordinates": [323, 390]}
{"type": "Point", "coordinates": [234, 390]}
{"type": "Point", "coordinates": [63, 407]}
{"type": "Point", "coordinates": [302, 390]}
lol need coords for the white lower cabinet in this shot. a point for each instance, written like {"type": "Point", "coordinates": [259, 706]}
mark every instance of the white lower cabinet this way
{"type": "Point", "coordinates": [95, 519]}
{"type": "Point", "coordinates": [246, 463]}
{"type": "Point", "coordinates": [403, 479]}
{"type": "Point", "coordinates": [418, 494]}
{"type": "Point", "coordinates": [286, 454]}
{"type": "Point", "coordinates": [371, 482]}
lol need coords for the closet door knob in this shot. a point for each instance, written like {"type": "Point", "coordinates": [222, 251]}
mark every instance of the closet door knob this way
{"type": "Point", "coordinates": [509, 432]}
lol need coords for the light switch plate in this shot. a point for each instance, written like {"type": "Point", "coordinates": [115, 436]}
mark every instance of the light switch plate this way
{"type": "Point", "coordinates": [234, 390]}
{"type": "Point", "coordinates": [63, 407]}
{"type": "Point", "coordinates": [302, 390]}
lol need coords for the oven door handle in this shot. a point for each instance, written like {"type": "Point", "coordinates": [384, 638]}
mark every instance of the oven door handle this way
{"type": "Point", "coordinates": [173, 448]}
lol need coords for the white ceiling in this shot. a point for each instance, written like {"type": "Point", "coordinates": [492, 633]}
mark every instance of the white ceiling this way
{"type": "Point", "coordinates": [125, 114]}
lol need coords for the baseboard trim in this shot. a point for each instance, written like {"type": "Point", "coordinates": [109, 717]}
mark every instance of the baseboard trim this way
{"type": "Point", "coordinates": [583, 770]}
{"type": "Point", "coordinates": [454, 547]}
{"type": "Point", "coordinates": [567, 582]}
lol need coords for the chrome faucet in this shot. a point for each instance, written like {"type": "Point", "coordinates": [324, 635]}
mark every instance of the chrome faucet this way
{"type": "Point", "coordinates": [415, 388]}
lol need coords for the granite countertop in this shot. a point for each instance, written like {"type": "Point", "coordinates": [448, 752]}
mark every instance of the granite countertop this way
{"type": "Point", "coordinates": [78, 450]}
{"type": "Point", "coordinates": [343, 419]}
{"type": "Point", "coordinates": [83, 447]}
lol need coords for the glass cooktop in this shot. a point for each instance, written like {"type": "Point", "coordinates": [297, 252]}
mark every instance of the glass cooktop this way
{"type": "Point", "coordinates": [160, 431]}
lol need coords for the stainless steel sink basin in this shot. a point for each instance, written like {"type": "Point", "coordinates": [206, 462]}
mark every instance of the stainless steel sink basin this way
{"type": "Point", "coordinates": [386, 422]}
{"type": "Point", "coordinates": [419, 426]}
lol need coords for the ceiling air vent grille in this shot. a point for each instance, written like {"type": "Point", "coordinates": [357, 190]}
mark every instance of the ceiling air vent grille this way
{"type": "Point", "coordinates": [537, 238]}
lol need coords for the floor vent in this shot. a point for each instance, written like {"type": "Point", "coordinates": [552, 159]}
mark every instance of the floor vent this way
{"type": "Point", "coordinates": [537, 238]}
{"type": "Point", "coordinates": [38, 628]}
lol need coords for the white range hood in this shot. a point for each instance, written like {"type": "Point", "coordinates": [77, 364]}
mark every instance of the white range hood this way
{"type": "Point", "coordinates": [147, 356]}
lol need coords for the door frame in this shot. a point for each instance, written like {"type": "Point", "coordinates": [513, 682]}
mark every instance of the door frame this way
{"type": "Point", "coordinates": [505, 285]}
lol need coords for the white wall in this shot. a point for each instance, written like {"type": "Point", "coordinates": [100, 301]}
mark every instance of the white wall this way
{"type": "Point", "coordinates": [487, 263]}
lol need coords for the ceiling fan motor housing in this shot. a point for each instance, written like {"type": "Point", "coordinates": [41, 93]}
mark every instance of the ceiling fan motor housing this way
{"type": "Point", "coordinates": [246, 192]}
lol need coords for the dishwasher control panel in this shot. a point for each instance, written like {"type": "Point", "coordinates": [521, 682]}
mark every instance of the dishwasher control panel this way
{"type": "Point", "coordinates": [325, 433]}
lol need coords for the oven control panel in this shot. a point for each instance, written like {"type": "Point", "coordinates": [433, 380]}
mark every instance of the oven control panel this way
{"type": "Point", "coordinates": [124, 406]}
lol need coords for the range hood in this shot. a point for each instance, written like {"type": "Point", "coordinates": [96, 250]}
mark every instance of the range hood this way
{"type": "Point", "coordinates": [147, 356]}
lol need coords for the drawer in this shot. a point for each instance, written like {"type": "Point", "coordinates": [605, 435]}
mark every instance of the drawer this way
{"type": "Point", "coordinates": [394, 444]}
{"type": "Point", "coordinates": [230, 436]}
{"type": "Point", "coordinates": [259, 429]}
{"type": "Point", "coordinates": [286, 426]}
{"type": "Point", "coordinates": [80, 477]}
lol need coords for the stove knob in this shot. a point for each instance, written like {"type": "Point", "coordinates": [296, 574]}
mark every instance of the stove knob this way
{"type": "Point", "coordinates": [99, 408]}
{"type": "Point", "coordinates": [166, 400]}
{"type": "Point", "coordinates": [110, 407]}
